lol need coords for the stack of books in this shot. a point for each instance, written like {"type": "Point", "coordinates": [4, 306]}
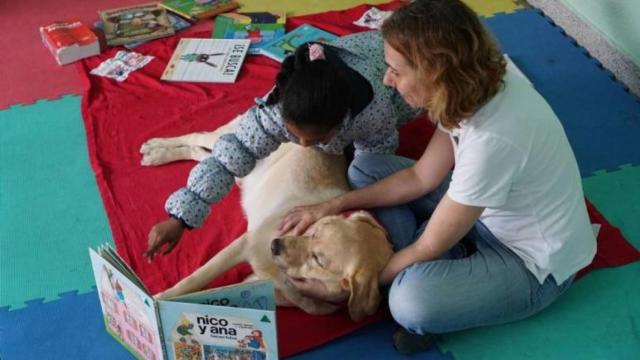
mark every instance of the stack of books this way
{"type": "Point", "coordinates": [267, 33]}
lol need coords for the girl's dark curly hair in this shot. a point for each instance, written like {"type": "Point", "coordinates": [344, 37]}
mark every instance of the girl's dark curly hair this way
{"type": "Point", "coordinates": [312, 95]}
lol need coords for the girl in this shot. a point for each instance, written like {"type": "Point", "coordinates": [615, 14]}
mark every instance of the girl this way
{"type": "Point", "coordinates": [330, 97]}
{"type": "Point", "coordinates": [501, 236]}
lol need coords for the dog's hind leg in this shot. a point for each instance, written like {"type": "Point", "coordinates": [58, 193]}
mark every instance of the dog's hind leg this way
{"type": "Point", "coordinates": [224, 260]}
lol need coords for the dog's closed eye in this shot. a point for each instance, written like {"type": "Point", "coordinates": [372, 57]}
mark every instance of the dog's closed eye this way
{"type": "Point", "coordinates": [316, 258]}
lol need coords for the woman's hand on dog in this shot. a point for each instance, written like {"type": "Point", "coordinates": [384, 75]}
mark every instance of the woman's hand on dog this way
{"type": "Point", "coordinates": [300, 218]}
{"type": "Point", "coordinates": [167, 233]}
{"type": "Point", "coordinates": [316, 289]}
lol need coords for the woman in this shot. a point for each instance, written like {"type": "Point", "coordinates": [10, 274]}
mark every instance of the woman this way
{"type": "Point", "coordinates": [499, 237]}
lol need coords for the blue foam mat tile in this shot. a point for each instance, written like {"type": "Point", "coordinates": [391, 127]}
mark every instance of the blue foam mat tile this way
{"type": "Point", "coordinates": [372, 342]}
{"type": "Point", "coordinates": [601, 119]}
{"type": "Point", "coordinates": [68, 328]}
{"type": "Point", "coordinates": [72, 328]}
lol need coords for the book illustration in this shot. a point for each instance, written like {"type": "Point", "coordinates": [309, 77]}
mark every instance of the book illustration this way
{"type": "Point", "coordinates": [280, 48]}
{"type": "Point", "coordinates": [206, 60]}
{"type": "Point", "coordinates": [176, 21]}
{"type": "Point", "coordinates": [232, 322]}
{"type": "Point", "coordinates": [69, 41]}
{"type": "Point", "coordinates": [131, 23]}
{"type": "Point", "coordinates": [129, 314]}
{"type": "Point", "coordinates": [259, 27]}
{"type": "Point", "coordinates": [242, 329]}
{"type": "Point", "coordinates": [120, 66]}
{"type": "Point", "coordinates": [237, 338]}
{"type": "Point", "coordinates": [199, 9]}
{"type": "Point", "coordinates": [201, 58]}
{"type": "Point", "coordinates": [373, 18]}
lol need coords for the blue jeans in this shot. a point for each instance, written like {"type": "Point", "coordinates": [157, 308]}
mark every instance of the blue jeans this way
{"type": "Point", "coordinates": [458, 290]}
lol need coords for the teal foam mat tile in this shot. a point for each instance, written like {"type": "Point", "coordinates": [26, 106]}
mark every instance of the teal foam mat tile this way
{"type": "Point", "coordinates": [595, 319]}
{"type": "Point", "coordinates": [617, 195]}
{"type": "Point", "coordinates": [50, 209]}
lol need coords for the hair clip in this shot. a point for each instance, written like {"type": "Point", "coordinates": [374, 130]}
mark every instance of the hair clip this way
{"type": "Point", "coordinates": [316, 51]}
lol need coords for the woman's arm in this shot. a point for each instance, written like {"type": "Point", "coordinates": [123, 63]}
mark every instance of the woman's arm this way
{"type": "Point", "coordinates": [447, 225]}
{"type": "Point", "coordinates": [405, 185]}
{"type": "Point", "coordinates": [399, 188]}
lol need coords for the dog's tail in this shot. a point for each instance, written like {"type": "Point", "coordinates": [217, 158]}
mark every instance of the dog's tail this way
{"type": "Point", "coordinates": [224, 260]}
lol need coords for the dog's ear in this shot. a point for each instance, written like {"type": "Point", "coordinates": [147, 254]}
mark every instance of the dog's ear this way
{"type": "Point", "coordinates": [364, 295]}
{"type": "Point", "coordinates": [366, 217]}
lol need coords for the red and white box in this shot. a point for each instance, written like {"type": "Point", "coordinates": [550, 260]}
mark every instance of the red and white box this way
{"type": "Point", "coordinates": [69, 41]}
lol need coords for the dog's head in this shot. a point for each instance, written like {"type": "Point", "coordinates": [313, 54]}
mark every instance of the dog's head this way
{"type": "Point", "coordinates": [344, 253]}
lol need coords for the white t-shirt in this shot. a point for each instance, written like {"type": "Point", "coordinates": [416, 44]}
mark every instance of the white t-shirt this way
{"type": "Point", "coordinates": [513, 158]}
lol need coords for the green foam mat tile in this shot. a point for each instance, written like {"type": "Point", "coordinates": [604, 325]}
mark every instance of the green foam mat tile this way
{"type": "Point", "coordinates": [296, 7]}
{"type": "Point", "coordinates": [617, 195]}
{"type": "Point", "coordinates": [50, 209]}
{"type": "Point", "coordinates": [595, 319]}
{"type": "Point", "coordinates": [488, 8]}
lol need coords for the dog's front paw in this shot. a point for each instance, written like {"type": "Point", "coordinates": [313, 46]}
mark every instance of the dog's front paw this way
{"type": "Point", "coordinates": [152, 144]}
{"type": "Point", "coordinates": [156, 156]}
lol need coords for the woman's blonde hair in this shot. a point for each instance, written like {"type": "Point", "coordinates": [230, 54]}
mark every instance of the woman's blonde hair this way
{"type": "Point", "coordinates": [454, 55]}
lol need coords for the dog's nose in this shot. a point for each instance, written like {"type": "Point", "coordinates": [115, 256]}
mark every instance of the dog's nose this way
{"type": "Point", "coordinates": [276, 246]}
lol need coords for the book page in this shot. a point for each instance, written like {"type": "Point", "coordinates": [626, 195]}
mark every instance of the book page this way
{"type": "Point", "coordinates": [129, 310]}
{"type": "Point", "coordinates": [250, 295]}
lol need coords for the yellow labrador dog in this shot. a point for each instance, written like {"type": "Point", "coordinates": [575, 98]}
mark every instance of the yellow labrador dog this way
{"type": "Point", "coordinates": [346, 253]}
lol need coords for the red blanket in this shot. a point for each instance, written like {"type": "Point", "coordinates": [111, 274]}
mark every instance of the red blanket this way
{"type": "Point", "coordinates": [119, 117]}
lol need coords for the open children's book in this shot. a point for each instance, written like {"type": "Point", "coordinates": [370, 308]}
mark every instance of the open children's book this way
{"type": "Point", "coordinates": [234, 322]}
{"type": "Point", "coordinates": [206, 60]}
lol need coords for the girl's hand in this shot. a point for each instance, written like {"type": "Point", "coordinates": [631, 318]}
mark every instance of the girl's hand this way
{"type": "Point", "coordinates": [300, 218]}
{"type": "Point", "coordinates": [167, 232]}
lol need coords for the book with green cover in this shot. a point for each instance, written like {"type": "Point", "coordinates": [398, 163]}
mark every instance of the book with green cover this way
{"type": "Point", "coordinates": [199, 9]}
{"type": "Point", "coordinates": [283, 46]}
{"type": "Point", "coordinates": [259, 27]}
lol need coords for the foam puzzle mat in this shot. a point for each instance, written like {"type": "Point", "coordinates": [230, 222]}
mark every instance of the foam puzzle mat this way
{"type": "Point", "coordinates": [617, 194]}
{"type": "Point", "coordinates": [594, 320]}
{"type": "Point", "coordinates": [47, 192]}
{"type": "Point", "coordinates": [601, 119]}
